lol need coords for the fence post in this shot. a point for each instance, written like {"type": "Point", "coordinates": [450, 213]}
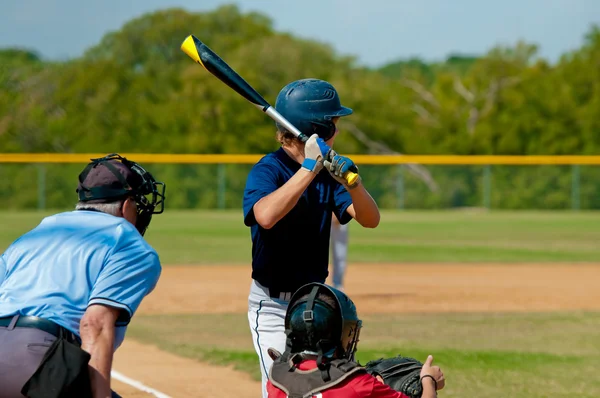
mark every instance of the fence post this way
{"type": "Point", "coordinates": [575, 184]}
{"type": "Point", "coordinates": [221, 185]}
{"type": "Point", "coordinates": [41, 173]}
{"type": "Point", "coordinates": [400, 187]}
{"type": "Point", "coordinates": [487, 186]}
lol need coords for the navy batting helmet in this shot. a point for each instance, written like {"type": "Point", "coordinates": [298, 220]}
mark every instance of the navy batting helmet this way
{"type": "Point", "coordinates": [323, 320]}
{"type": "Point", "coordinates": [310, 104]}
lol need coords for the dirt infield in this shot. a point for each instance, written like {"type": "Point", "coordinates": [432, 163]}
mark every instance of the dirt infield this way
{"type": "Point", "coordinates": [396, 288]}
{"type": "Point", "coordinates": [399, 288]}
{"type": "Point", "coordinates": [178, 377]}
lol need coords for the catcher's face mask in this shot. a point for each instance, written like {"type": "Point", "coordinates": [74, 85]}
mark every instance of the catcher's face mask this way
{"type": "Point", "coordinates": [313, 324]}
{"type": "Point", "coordinates": [351, 325]}
{"type": "Point", "coordinates": [113, 177]}
{"type": "Point", "coordinates": [350, 338]}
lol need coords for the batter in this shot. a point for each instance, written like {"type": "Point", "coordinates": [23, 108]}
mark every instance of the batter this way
{"type": "Point", "coordinates": [289, 200]}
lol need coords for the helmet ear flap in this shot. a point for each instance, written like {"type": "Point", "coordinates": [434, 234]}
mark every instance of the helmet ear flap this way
{"type": "Point", "coordinates": [324, 129]}
{"type": "Point", "coordinates": [332, 130]}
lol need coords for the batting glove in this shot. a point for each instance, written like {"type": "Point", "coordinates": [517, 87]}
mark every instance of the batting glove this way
{"type": "Point", "coordinates": [315, 151]}
{"type": "Point", "coordinates": [338, 166]}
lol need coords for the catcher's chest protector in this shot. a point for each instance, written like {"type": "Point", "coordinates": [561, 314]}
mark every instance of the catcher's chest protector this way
{"type": "Point", "coordinates": [306, 383]}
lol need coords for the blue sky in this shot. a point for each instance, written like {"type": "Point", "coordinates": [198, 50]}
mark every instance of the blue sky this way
{"type": "Point", "coordinates": [375, 31]}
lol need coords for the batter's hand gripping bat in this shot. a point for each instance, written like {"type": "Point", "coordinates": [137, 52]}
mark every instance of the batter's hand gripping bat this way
{"type": "Point", "coordinates": [206, 57]}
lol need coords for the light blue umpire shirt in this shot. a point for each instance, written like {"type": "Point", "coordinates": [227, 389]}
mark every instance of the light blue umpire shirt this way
{"type": "Point", "coordinates": [75, 259]}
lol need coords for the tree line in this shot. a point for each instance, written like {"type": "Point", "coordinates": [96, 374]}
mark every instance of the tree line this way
{"type": "Point", "coordinates": [135, 91]}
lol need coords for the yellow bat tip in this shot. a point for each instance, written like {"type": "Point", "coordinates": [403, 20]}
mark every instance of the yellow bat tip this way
{"type": "Point", "coordinates": [189, 47]}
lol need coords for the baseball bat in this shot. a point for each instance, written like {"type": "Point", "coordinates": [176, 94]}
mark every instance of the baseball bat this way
{"type": "Point", "coordinates": [202, 54]}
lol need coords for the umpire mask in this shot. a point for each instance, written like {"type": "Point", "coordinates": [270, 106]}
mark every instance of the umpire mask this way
{"type": "Point", "coordinates": [113, 177]}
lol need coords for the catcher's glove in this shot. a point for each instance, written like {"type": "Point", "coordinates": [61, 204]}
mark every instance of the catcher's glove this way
{"type": "Point", "coordinates": [400, 373]}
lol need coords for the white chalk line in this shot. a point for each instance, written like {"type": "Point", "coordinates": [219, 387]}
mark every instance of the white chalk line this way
{"type": "Point", "coordinates": [136, 384]}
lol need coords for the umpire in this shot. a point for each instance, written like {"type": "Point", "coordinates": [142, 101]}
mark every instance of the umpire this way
{"type": "Point", "coordinates": [69, 287]}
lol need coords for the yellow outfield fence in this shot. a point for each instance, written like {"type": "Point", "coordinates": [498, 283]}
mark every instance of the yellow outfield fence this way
{"type": "Point", "coordinates": [439, 181]}
{"type": "Point", "coordinates": [359, 159]}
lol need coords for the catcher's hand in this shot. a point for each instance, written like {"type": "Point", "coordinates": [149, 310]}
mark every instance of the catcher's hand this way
{"type": "Point", "coordinates": [402, 373]}
{"type": "Point", "coordinates": [433, 372]}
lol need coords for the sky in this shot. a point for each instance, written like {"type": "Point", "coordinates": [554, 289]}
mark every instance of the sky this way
{"type": "Point", "coordinates": [376, 32]}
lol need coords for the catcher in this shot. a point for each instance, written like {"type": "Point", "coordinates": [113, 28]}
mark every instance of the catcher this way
{"type": "Point", "coordinates": [323, 329]}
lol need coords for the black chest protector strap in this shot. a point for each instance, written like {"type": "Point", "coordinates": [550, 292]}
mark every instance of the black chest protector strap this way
{"type": "Point", "coordinates": [305, 383]}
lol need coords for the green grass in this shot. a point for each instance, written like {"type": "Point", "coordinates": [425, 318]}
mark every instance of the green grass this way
{"type": "Point", "coordinates": [482, 355]}
{"type": "Point", "coordinates": [213, 237]}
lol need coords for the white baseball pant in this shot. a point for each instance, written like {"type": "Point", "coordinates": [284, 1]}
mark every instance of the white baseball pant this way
{"type": "Point", "coordinates": [266, 317]}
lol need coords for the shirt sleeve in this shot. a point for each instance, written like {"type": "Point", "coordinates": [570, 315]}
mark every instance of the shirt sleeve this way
{"type": "Point", "coordinates": [2, 269]}
{"type": "Point", "coordinates": [342, 200]}
{"type": "Point", "coordinates": [262, 180]}
{"type": "Point", "coordinates": [128, 276]}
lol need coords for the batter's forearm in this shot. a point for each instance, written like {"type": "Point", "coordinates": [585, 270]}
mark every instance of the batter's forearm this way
{"type": "Point", "coordinates": [365, 210]}
{"type": "Point", "coordinates": [273, 207]}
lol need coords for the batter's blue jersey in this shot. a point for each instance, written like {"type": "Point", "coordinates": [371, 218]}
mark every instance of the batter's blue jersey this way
{"type": "Point", "coordinates": [296, 250]}
{"type": "Point", "coordinates": [75, 259]}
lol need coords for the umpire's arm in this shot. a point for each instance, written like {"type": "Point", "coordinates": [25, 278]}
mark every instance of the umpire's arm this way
{"type": "Point", "coordinates": [97, 330]}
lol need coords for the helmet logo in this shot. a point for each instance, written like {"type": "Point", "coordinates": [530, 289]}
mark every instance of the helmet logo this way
{"type": "Point", "coordinates": [329, 94]}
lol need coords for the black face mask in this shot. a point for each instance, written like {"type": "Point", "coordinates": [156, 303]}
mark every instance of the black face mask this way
{"type": "Point", "coordinates": [149, 197]}
{"type": "Point", "coordinates": [148, 194]}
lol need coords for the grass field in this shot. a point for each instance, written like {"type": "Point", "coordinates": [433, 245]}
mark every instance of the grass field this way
{"type": "Point", "coordinates": [218, 237]}
{"type": "Point", "coordinates": [483, 355]}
